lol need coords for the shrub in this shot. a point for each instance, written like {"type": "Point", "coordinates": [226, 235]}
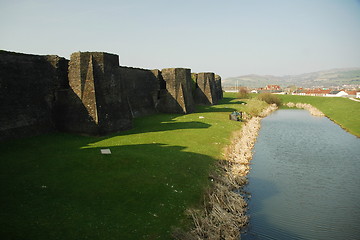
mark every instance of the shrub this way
{"type": "Point", "coordinates": [255, 106]}
{"type": "Point", "coordinates": [243, 93]}
{"type": "Point", "coordinates": [269, 98]}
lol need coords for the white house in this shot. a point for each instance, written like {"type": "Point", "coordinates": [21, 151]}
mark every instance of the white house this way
{"type": "Point", "coordinates": [357, 94]}
{"type": "Point", "coordinates": [337, 94]}
{"type": "Point", "coordinates": [341, 94]}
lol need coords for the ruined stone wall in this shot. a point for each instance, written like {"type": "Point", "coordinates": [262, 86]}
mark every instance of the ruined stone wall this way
{"type": "Point", "coordinates": [218, 86]}
{"type": "Point", "coordinates": [206, 91]}
{"type": "Point", "coordinates": [91, 94]}
{"type": "Point", "coordinates": [97, 88]}
{"type": "Point", "coordinates": [113, 108]}
{"type": "Point", "coordinates": [178, 97]}
{"type": "Point", "coordinates": [142, 90]}
{"type": "Point", "coordinates": [28, 84]}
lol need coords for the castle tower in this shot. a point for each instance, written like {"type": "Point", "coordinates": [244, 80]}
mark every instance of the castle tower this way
{"type": "Point", "coordinates": [94, 78]}
{"type": "Point", "coordinates": [206, 91]}
{"type": "Point", "coordinates": [178, 96]}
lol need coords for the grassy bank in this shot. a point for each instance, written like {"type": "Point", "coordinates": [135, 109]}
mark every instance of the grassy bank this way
{"type": "Point", "coordinates": [342, 111]}
{"type": "Point", "coordinates": [59, 186]}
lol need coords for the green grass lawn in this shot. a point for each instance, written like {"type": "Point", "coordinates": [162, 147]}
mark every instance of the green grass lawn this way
{"type": "Point", "coordinates": [59, 186]}
{"type": "Point", "coordinates": [342, 111]}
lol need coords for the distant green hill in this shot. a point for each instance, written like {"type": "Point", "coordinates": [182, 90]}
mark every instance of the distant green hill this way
{"type": "Point", "coordinates": [334, 77]}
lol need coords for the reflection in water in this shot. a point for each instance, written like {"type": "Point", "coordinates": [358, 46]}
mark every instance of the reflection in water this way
{"type": "Point", "coordinates": [305, 181]}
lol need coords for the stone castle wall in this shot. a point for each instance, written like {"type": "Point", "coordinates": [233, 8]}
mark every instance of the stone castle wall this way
{"type": "Point", "coordinates": [142, 88]}
{"type": "Point", "coordinates": [28, 85]}
{"type": "Point", "coordinates": [178, 96]}
{"type": "Point", "coordinates": [95, 82]}
{"type": "Point", "coordinates": [91, 94]}
{"type": "Point", "coordinates": [205, 88]}
{"type": "Point", "coordinates": [219, 91]}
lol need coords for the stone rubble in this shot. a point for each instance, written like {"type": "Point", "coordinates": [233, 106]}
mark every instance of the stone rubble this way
{"type": "Point", "coordinates": [313, 110]}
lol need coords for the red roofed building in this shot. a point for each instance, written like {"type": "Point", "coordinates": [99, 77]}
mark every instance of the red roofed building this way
{"type": "Point", "coordinates": [351, 93]}
{"type": "Point", "coordinates": [316, 92]}
{"type": "Point", "coordinates": [272, 87]}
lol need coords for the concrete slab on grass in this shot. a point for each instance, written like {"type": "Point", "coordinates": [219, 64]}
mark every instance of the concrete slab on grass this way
{"type": "Point", "coordinates": [105, 151]}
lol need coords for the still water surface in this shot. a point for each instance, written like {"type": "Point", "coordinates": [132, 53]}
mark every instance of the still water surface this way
{"type": "Point", "coordinates": [305, 180]}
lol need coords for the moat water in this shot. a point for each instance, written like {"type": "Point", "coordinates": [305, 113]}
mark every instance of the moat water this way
{"type": "Point", "coordinates": [304, 181]}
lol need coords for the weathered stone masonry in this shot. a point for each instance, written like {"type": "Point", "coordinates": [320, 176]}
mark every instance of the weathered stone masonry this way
{"type": "Point", "coordinates": [91, 94]}
{"type": "Point", "coordinates": [28, 85]}
{"type": "Point", "coordinates": [95, 79]}
{"type": "Point", "coordinates": [178, 96]}
{"type": "Point", "coordinates": [205, 93]}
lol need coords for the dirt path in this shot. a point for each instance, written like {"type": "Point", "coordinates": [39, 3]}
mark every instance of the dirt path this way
{"type": "Point", "coordinates": [356, 100]}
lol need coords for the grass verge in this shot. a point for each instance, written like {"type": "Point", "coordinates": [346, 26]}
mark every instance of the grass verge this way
{"type": "Point", "coordinates": [342, 111]}
{"type": "Point", "coordinates": [59, 186]}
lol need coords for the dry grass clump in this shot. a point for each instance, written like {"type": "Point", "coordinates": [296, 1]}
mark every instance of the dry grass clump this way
{"type": "Point", "coordinates": [313, 110]}
{"type": "Point", "coordinates": [254, 107]}
{"type": "Point", "coordinates": [224, 211]}
{"type": "Point", "coordinates": [222, 217]}
{"type": "Point", "coordinates": [269, 98]}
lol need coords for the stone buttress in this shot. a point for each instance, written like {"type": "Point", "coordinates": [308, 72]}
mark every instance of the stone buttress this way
{"type": "Point", "coordinates": [206, 91]}
{"type": "Point", "coordinates": [177, 96]}
{"type": "Point", "coordinates": [94, 77]}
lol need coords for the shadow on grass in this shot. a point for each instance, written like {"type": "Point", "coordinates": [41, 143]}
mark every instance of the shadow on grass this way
{"type": "Point", "coordinates": [161, 123]}
{"type": "Point", "coordinates": [202, 109]}
{"type": "Point", "coordinates": [53, 188]}
{"type": "Point", "coordinates": [223, 102]}
{"type": "Point", "coordinates": [229, 100]}
{"type": "Point", "coordinates": [59, 191]}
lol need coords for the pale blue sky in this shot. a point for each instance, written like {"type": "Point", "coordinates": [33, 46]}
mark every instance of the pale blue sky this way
{"type": "Point", "coordinates": [229, 37]}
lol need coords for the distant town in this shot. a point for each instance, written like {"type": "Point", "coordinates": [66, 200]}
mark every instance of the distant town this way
{"type": "Point", "coordinates": [350, 91]}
